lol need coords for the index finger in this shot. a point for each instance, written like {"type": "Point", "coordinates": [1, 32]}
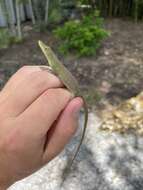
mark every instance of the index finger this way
{"type": "Point", "coordinates": [27, 91]}
{"type": "Point", "coordinates": [43, 112]}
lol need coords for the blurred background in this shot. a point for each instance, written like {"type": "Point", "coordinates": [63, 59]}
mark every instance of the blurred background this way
{"type": "Point", "coordinates": [100, 41]}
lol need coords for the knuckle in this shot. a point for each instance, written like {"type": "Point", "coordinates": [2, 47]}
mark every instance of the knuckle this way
{"type": "Point", "coordinates": [37, 80]}
{"type": "Point", "coordinates": [42, 80]}
{"type": "Point", "coordinates": [57, 96]}
{"type": "Point", "coordinates": [63, 93]}
{"type": "Point", "coordinates": [40, 83]}
{"type": "Point", "coordinates": [23, 68]}
{"type": "Point", "coordinates": [50, 95]}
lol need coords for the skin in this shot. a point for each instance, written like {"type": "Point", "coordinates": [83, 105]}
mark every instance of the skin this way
{"type": "Point", "coordinates": [37, 119]}
{"type": "Point", "coordinates": [70, 83]}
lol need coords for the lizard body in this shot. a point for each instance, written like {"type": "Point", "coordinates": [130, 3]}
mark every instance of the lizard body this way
{"type": "Point", "coordinates": [70, 83]}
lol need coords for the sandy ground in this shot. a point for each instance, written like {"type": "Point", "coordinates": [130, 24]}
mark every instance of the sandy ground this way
{"type": "Point", "coordinates": [107, 161]}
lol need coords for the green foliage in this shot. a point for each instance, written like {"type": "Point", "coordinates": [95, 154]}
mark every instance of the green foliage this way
{"type": "Point", "coordinates": [22, 1]}
{"type": "Point", "coordinates": [55, 11]}
{"type": "Point", "coordinates": [137, 12]}
{"type": "Point", "coordinates": [83, 36]}
{"type": "Point", "coordinates": [6, 39]}
{"type": "Point", "coordinates": [55, 16]}
{"type": "Point", "coordinates": [83, 1]}
{"type": "Point", "coordinates": [115, 8]}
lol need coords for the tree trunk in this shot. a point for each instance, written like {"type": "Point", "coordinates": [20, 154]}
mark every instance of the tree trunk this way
{"type": "Point", "coordinates": [10, 18]}
{"type": "Point", "coordinates": [4, 10]}
{"type": "Point", "coordinates": [47, 12]}
{"type": "Point", "coordinates": [18, 20]}
{"type": "Point", "coordinates": [136, 11]}
{"type": "Point", "coordinates": [110, 8]}
{"type": "Point", "coordinates": [32, 12]}
{"type": "Point", "coordinates": [37, 11]}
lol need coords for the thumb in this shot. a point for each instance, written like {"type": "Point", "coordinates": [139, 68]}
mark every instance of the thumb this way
{"type": "Point", "coordinates": [63, 130]}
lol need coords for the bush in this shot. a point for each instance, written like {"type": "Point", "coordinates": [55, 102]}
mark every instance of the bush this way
{"type": "Point", "coordinates": [55, 16]}
{"type": "Point", "coordinates": [6, 39]}
{"type": "Point", "coordinates": [83, 36]}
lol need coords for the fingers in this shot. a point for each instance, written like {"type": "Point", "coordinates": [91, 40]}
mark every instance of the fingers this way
{"type": "Point", "coordinates": [63, 130]}
{"type": "Point", "coordinates": [43, 112]}
{"type": "Point", "coordinates": [28, 90]}
{"type": "Point", "coordinates": [16, 78]}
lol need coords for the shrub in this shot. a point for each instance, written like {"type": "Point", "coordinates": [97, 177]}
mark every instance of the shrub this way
{"type": "Point", "coordinates": [55, 16]}
{"type": "Point", "coordinates": [83, 36]}
{"type": "Point", "coordinates": [6, 39]}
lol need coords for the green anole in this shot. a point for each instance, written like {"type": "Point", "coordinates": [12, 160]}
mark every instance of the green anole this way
{"type": "Point", "coordinates": [69, 82]}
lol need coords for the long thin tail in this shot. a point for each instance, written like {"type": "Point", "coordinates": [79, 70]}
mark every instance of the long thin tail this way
{"type": "Point", "coordinates": [67, 170]}
{"type": "Point", "coordinates": [83, 134]}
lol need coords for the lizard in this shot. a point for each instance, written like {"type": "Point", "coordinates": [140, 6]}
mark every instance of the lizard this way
{"type": "Point", "coordinates": [69, 82]}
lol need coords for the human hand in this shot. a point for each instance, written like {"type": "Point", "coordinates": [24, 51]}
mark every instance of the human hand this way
{"type": "Point", "coordinates": [37, 119]}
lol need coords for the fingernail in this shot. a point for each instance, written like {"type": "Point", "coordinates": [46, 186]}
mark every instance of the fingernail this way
{"type": "Point", "coordinates": [77, 109]}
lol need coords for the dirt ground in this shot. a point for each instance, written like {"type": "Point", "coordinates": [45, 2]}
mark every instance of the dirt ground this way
{"type": "Point", "coordinates": [113, 75]}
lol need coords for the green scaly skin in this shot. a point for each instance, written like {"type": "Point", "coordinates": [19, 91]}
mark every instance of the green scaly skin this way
{"type": "Point", "coordinates": [70, 83]}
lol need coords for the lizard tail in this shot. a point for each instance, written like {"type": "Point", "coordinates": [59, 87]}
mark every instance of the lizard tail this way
{"type": "Point", "coordinates": [83, 134]}
{"type": "Point", "coordinates": [68, 168]}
